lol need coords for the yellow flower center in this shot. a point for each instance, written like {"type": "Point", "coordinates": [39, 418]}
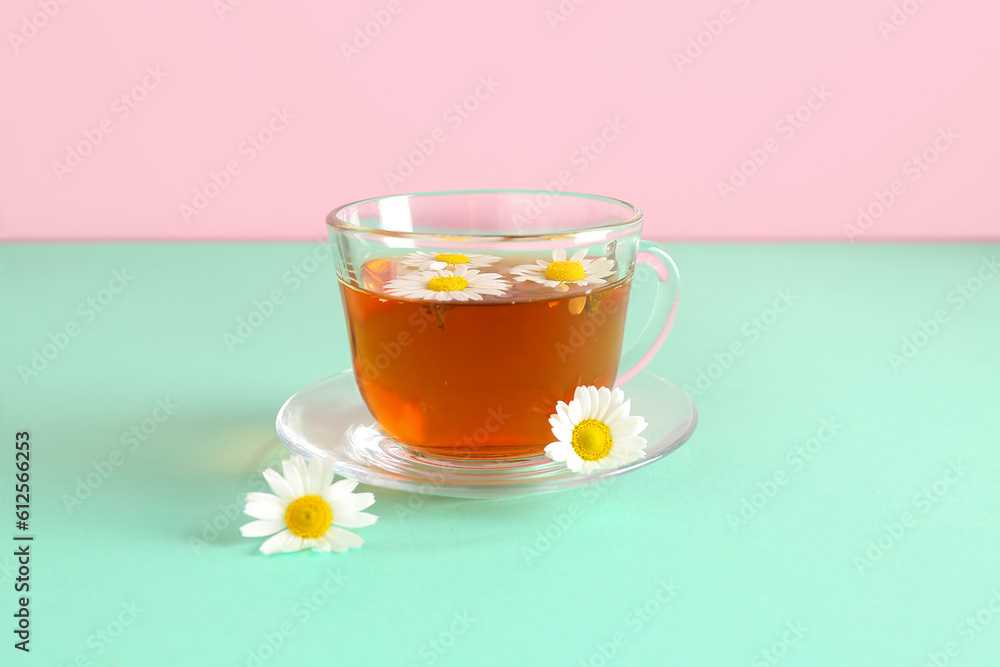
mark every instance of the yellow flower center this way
{"type": "Point", "coordinates": [591, 440]}
{"type": "Point", "coordinates": [450, 258]}
{"type": "Point", "coordinates": [308, 516]}
{"type": "Point", "coordinates": [447, 284]}
{"type": "Point", "coordinates": [566, 271]}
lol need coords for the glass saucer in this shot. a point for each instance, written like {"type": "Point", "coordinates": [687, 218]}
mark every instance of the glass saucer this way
{"type": "Point", "coordinates": [328, 418]}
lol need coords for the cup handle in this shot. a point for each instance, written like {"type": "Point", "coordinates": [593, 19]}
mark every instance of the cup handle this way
{"type": "Point", "coordinates": [668, 295]}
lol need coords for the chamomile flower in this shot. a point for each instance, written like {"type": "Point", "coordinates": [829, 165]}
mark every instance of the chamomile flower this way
{"type": "Point", "coordinates": [560, 273]}
{"type": "Point", "coordinates": [307, 510]}
{"type": "Point", "coordinates": [594, 431]}
{"type": "Point", "coordinates": [461, 284]}
{"type": "Point", "coordinates": [430, 261]}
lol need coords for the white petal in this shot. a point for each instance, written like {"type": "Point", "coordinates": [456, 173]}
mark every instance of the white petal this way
{"type": "Point", "coordinates": [269, 511]}
{"type": "Point", "coordinates": [339, 490]}
{"type": "Point", "coordinates": [575, 414]}
{"type": "Point", "coordinates": [321, 545]}
{"type": "Point", "coordinates": [293, 475]}
{"type": "Point", "coordinates": [617, 396]}
{"type": "Point", "coordinates": [258, 497]}
{"type": "Point", "coordinates": [595, 401]}
{"type": "Point", "coordinates": [603, 400]}
{"type": "Point", "coordinates": [629, 441]}
{"type": "Point", "coordinates": [558, 451]}
{"type": "Point", "coordinates": [616, 412]}
{"type": "Point", "coordinates": [626, 426]}
{"type": "Point", "coordinates": [559, 255]}
{"type": "Point", "coordinates": [583, 398]}
{"type": "Point", "coordinates": [559, 419]}
{"type": "Point", "coordinates": [562, 432]}
{"type": "Point", "coordinates": [328, 468]}
{"type": "Point", "coordinates": [261, 528]}
{"type": "Point", "coordinates": [630, 456]}
{"type": "Point", "coordinates": [313, 479]}
{"type": "Point", "coordinates": [294, 462]}
{"type": "Point", "coordinates": [579, 254]}
{"type": "Point", "coordinates": [356, 520]}
{"type": "Point", "coordinates": [279, 485]}
{"type": "Point", "coordinates": [332, 544]}
{"type": "Point", "coordinates": [437, 266]}
{"type": "Point", "coordinates": [573, 461]}
{"type": "Point", "coordinates": [340, 540]}
{"type": "Point", "coordinates": [352, 502]}
{"type": "Point", "coordinates": [282, 542]}
{"type": "Point", "coordinates": [562, 409]}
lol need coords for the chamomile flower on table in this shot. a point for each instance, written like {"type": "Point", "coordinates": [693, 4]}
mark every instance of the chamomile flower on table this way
{"type": "Point", "coordinates": [594, 431]}
{"type": "Point", "coordinates": [560, 273]}
{"type": "Point", "coordinates": [435, 261]}
{"type": "Point", "coordinates": [461, 284]}
{"type": "Point", "coordinates": [307, 510]}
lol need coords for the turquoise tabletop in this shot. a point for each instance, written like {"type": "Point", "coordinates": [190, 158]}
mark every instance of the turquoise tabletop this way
{"type": "Point", "coordinates": [838, 504]}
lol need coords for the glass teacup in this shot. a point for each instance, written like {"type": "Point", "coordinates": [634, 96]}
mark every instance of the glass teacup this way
{"type": "Point", "coordinates": [471, 314]}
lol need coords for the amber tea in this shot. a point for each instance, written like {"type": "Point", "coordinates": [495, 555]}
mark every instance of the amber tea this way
{"type": "Point", "coordinates": [478, 378]}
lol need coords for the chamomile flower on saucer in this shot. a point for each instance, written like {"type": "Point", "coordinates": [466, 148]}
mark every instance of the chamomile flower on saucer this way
{"type": "Point", "coordinates": [461, 284]}
{"type": "Point", "coordinates": [307, 510]}
{"type": "Point", "coordinates": [562, 272]}
{"type": "Point", "coordinates": [435, 261]}
{"type": "Point", "coordinates": [594, 431]}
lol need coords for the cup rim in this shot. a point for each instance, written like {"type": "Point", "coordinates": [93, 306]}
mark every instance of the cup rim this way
{"type": "Point", "coordinates": [333, 221]}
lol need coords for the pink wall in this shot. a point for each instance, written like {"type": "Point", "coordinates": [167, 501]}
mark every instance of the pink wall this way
{"type": "Point", "coordinates": [169, 94]}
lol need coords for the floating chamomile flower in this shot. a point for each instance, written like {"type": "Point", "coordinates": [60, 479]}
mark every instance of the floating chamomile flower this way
{"type": "Point", "coordinates": [462, 284]}
{"type": "Point", "coordinates": [307, 510]}
{"type": "Point", "coordinates": [429, 261]}
{"type": "Point", "coordinates": [562, 272]}
{"type": "Point", "coordinates": [594, 431]}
